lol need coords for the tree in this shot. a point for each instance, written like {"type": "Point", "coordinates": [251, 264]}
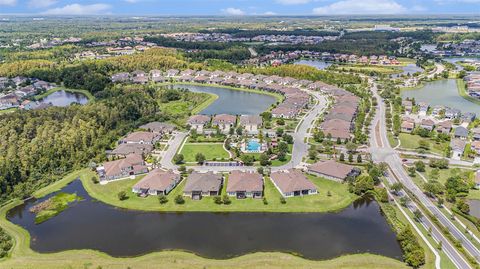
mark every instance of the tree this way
{"type": "Point", "coordinates": [462, 206]}
{"type": "Point", "coordinates": [200, 158]}
{"type": "Point", "coordinates": [264, 159]}
{"type": "Point", "coordinates": [432, 188]}
{"type": "Point", "coordinates": [122, 195]}
{"type": "Point", "coordinates": [226, 200]}
{"type": "Point", "coordinates": [404, 200]}
{"type": "Point", "coordinates": [260, 170]}
{"type": "Point", "coordinates": [440, 202]}
{"type": "Point", "coordinates": [350, 157]}
{"type": "Point", "coordinates": [411, 171]}
{"type": "Point", "coordinates": [94, 180]}
{"type": "Point", "coordinates": [178, 158]}
{"type": "Point", "coordinates": [342, 157]}
{"type": "Point", "coordinates": [351, 147]}
{"type": "Point", "coordinates": [283, 147]}
{"type": "Point", "coordinates": [417, 215]}
{"type": "Point", "coordinates": [282, 200]}
{"type": "Point", "coordinates": [162, 199]}
{"type": "Point", "coordinates": [279, 131]}
{"type": "Point", "coordinates": [318, 136]}
{"type": "Point", "coordinates": [359, 158]}
{"type": "Point", "coordinates": [280, 121]}
{"type": "Point", "coordinates": [339, 141]}
{"type": "Point", "coordinates": [420, 166]}
{"type": "Point", "coordinates": [239, 130]}
{"type": "Point", "coordinates": [396, 187]}
{"type": "Point", "coordinates": [363, 183]}
{"type": "Point", "coordinates": [179, 200]}
{"type": "Point", "coordinates": [217, 200]}
{"type": "Point", "coordinates": [247, 159]}
{"type": "Point", "coordinates": [282, 156]}
{"type": "Point", "coordinates": [312, 153]}
{"type": "Point", "coordinates": [287, 138]}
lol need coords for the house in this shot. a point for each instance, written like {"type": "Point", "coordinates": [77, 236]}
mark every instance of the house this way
{"type": "Point", "coordinates": [427, 124]}
{"type": "Point", "coordinates": [157, 182]}
{"type": "Point", "coordinates": [245, 184]}
{"type": "Point", "coordinates": [475, 146]}
{"type": "Point", "coordinates": [452, 113]}
{"type": "Point", "coordinates": [139, 77]}
{"type": "Point", "coordinates": [157, 76]}
{"type": "Point", "coordinates": [120, 77]}
{"type": "Point", "coordinates": [125, 149]}
{"type": "Point", "coordinates": [173, 73]}
{"type": "Point", "coordinates": [131, 165]}
{"type": "Point", "coordinates": [284, 112]}
{"type": "Point", "coordinates": [444, 127]}
{"type": "Point", "coordinates": [468, 117]}
{"type": "Point", "coordinates": [461, 132]}
{"type": "Point", "coordinates": [458, 146]}
{"type": "Point", "coordinates": [198, 122]}
{"type": "Point", "coordinates": [224, 122]}
{"type": "Point", "coordinates": [476, 134]}
{"type": "Point", "coordinates": [477, 179]}
{"type": "Point", "coordinates": [407, 126]}
{"type": "Point", "coordinates": [158, 127]}
{"type": "Point", "coordinates": [8, 101]}
{"type": "Point", "coordinates": [408, 105]}
{"type": "Point", "coordinates": [292, 183]}
{"type": "Point", "coordinates": [141, 138]}
{"type": "Point", "coordinates": [251, 123]}
{"type": "Point", "coordinates": [423, 109]}
{"type": "Point", "coordinates": [203, 184]}
{"type": "Point", "coordinates": [28, 105]}
{"type": "Point", "coordinates": [333, 170]}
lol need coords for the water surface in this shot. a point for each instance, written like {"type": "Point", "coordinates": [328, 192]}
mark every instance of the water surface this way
{"type": "Point", "coordinates": [321, 65]}
{"type": "Point", "coordinates": [89, 224]}
{"type": "Point", "coordinates": [64, 98]}
{"type": "Point", "coordinates": [234, 102]}
{"type": "Point", "coordinates": [442, 92]}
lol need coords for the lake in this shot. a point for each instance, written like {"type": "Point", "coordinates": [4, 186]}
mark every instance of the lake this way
{"type": "Point", "coordinates": [64, 98]}
{"type": "Point", "coordinates": [442, 92]}
{"type": "Point", "coordinates": [90, 224]}
{"type": "Point", "coordinates": [454, 61]}
{"type": "Point", "coordinates": [315, 63]}
{"type": "Point", "coordinates": [235, 102]}
{"type": "Point", "coordinates": [408, 69]}
{"type": "Point", "coordinates": [474, 207]}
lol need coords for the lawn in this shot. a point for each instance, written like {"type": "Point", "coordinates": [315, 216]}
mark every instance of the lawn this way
{"type": "Point", "coordinates": [210, 150]}
{"type": "Point", "coordinates": [411, 142]}
{"type": "Point", "coordinates": [339, 199]}
{"type": "Point", "coordinates": [8, 110]}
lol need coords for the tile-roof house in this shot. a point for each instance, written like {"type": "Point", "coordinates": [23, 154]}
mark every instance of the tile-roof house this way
{"type": "Point", "coordinates": [476, 134]}
{"type": "Point", "coordinates": [427, 124]}
{"type": "Point", "coordinates": [123, 150]}
{"type": "Point", "coordinates": [408, 105]}
{"type": "Point", "coordinates": [286, 112]}
{"type": "Point", "coordinates": [141, 138]}
{"type": "Point", "coordinates": [452, 113]}
{"type": "Point", "coordinates": [157, 76]}
{"type": "Point", "coordinates": [333, 170]}
{"type": "Point", "coordinates": [461, 132]}
{"type": "Point", "coordinates": [444, 127]}
{"type": "Point", "coordinates": [132, 165]}
{"type": "Point", "coordinates": [251, 123]}
{"type": "Point", "coordinates": [458, 146]}
{"type": "Point", "coordinates": [120, 77]}
{"type": "Point", "coordinates": [198, 122]}
{"type": "Point", "coordinates": [475, 146]}
{"type": "Point", "coordinates": [157, 182]}
{"type": "Point", "coordinates": [158, 127]}
{"type": "Point", "coordinates": [292, 183]}
{"type": "Point", "coordinates": [172, 72]}
{"type": "Point", "coordinates": [203, 184]}
{"type": "Point", "coordinates": [407, 126]}
{"type": "Point", "coordinates": [224, 122]}
{"type": "Point", "coordinates": [245, 184]}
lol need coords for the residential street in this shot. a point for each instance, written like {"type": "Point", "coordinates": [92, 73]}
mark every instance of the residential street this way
{"type": "Point", "coordinates": [382, 152]}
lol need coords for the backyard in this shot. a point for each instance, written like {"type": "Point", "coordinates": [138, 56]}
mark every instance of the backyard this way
{"type": "Point", "coordinates": [211, 151]}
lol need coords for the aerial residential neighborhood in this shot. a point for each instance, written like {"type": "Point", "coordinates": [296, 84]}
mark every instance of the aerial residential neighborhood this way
{"type": "Point", "coordinates": [240, 134]}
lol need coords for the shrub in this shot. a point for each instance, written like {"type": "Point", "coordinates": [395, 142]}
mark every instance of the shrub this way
{"type": "Point", "coordinates": [226, 200]}
{"type": "Point", "coordinates": [179, 200]}
{"type": "Point", "coordinates": [94, 180]}
{"type": "Point", "coordinates": [122, 195]}
{"type": "Point", "coordinates": [162, 199]}
{"type": "Point", "coordinates": [265, 202]}
{"type": "Point", "coordinates": [217, 200]}
{"type": "Point", "coordinates": [282, 200]}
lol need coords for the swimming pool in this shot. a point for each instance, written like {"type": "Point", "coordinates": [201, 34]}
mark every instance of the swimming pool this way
{"type": "Point", "coordinates": [253, 145]}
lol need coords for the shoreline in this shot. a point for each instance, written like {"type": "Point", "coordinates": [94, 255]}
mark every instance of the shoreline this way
{"type": "Point", "coordinates": [87, 94]}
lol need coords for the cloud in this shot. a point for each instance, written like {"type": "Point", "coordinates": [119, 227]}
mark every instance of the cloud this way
{"type": "Point", "coordinates": [132, 1]}
{"type": "Point", "coordinates": [233, 11]}
{"type": "Point", "coordinates": [269, 13]}
{"type": "Point", "coordinates": [78, 9]}
{"type": "Point", "coordinates": [360, 7]}
{"type": "Point", "coordinates": [443, 2]}
{"type": "Point", "coordinates": [8, 2]}
{"type": "Point", "coordinates": [41, 3]}
{"type": "Point", "coordinates": [292, 2]}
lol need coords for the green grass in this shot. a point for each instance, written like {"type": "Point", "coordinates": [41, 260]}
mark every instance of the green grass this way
{"type": "Point", "coordinates": [410, 142]}
{"type": "Point", "coordinates": [56, 205]}
{"type": "Point", "coordinates": [57, 185]}
{"type": "Point", "coordinates": [392, 140]}
{"type": "Point", "coordinates": [211, 98]}
{"type": "Point", "coordinates": [47, 93]}
{"type": "Point", "coordinates": [462, 91]}
{"type": "Point", "coordinates": [339, 199]}
{"type": "Point", "coordinates": [8, 110]}
{"type": "Point", "coordinates": [387, 70]}
{"type": "Point", "coordinates": [210, 151]}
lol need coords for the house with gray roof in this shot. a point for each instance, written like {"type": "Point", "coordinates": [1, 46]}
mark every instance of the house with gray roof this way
{"type": "Point", "coordinates": [157, 182]}
{"type": "Point", "coordinates": [245, 184]}
{"type": "Point", "coordinates": [461, 132]}
{"type": "Point", "coordinates": [203, 184]}
{"type": "Point", "coordinates": [292, 183]}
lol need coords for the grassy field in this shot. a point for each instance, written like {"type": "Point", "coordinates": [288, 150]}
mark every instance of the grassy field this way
{"type": "Point", "coordinates": [47, 93]}
{"type": "Point", "coordinates": [23, 257]}
{"type": "Point", "coordinates": [8, 110]}
{"type": "Point", "coordinates": [210, 150]}
{"type": "Point", "coordinates": [387, 70]}
{"type": "Point", "coordinates": [409, 141]}
{"type": "Point", "coordinates": [339, 199]}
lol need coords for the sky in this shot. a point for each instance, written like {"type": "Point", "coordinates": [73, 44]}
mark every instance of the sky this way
{"type": "Point", "coordinates": [239, 7]}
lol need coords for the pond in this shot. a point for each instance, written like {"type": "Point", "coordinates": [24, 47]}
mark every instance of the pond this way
{"type": "Point", "coordinates": [474, 207]}
{"type": "Point", "coordinates": [64, 98]}
{"type": "Point", "coordinates": [454, 61]}
{"type": "Point", "coordinates": [234, 102]}
{"type": "Point", "coordinates": [90, 224]}
{"type": "Point", "coordinates": [442, 92]}
{"type": "Point", "coordinates": [408, 69]}
{"type": "Point", "coordinates": [315, 63]}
